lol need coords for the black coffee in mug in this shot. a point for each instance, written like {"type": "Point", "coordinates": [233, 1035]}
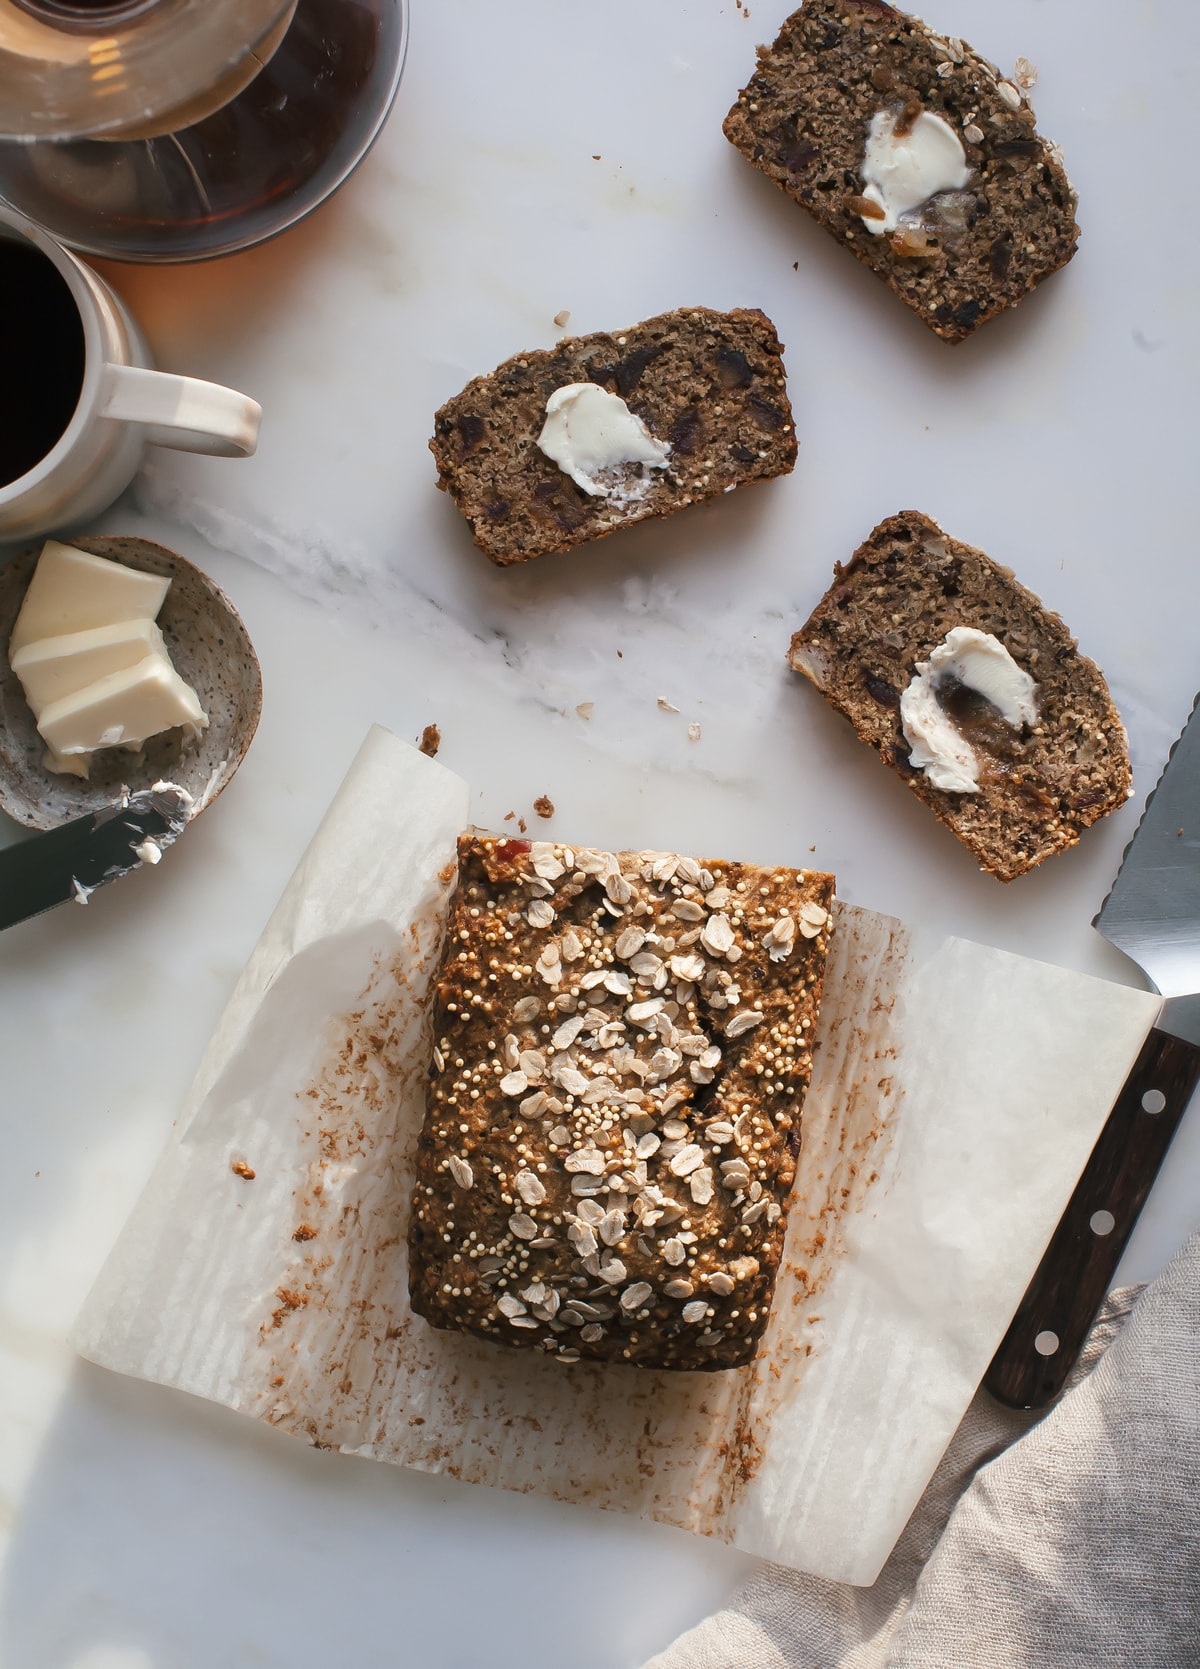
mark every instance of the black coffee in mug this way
{"type": "Point", "coordinates": [41, 357]}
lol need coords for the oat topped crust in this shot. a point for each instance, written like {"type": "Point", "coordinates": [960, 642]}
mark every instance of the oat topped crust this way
{"type": "Point", "coordinates": [622, 1045]}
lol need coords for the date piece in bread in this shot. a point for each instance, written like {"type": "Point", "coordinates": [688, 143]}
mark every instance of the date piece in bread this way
{"type": "Point", "coordinates": [623, 1044]}
{"type": "Point", "coordinates": [710, 385]}
{"type": "Point", "coordinates": [966, 254]}
{"type": "Point", "coordinates": [901, 595]}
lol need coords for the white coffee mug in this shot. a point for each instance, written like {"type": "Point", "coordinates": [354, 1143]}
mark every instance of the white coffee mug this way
{"type": "Point", "coordinates": [124, 406]}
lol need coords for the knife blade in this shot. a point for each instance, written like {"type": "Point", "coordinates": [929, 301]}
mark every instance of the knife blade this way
{"type": "Point", "coordinates": [1152, 914]}
{"type": "Point", "coordinates": [70, 862]}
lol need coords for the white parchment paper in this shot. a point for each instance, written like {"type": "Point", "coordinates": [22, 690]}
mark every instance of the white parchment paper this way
{"type": "Point", "coordinates": [957, 1094]}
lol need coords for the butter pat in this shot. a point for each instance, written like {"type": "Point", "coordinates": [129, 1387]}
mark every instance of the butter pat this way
{"type": "Point", "coordinates": [902, 171]}
{"type": "Point", "coordinates": [73, 591]}
{"type": "Point", "coordinates": [979, 661]}
{"type": "Point", "coordinates": [121, 710]}
{"type": "Point", "coordinates": [589, 433]}
{"type": "Point", "coordinates": [57, 666]}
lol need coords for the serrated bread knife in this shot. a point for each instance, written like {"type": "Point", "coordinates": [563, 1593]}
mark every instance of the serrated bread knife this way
{"type": "Point", "coordinates": [72, 861]}
{"type": "Point", "coordinates": [1153, 915]}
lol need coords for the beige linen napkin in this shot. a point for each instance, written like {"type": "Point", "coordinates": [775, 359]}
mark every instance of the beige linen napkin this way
{"type": "Point", "coordinates": [1075, 1547]}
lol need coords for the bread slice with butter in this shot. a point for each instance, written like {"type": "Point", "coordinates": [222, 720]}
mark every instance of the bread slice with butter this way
{"type": "Point", "coordinates": [915, 153]}
{"type": "Point", "coordinates": [971, 690]}
{"type": "Point", "coordinates": [571, 443]}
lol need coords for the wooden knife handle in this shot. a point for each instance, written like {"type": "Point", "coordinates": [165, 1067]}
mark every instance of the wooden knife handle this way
{"type": "Point", "coordinates": [1048, 1331]}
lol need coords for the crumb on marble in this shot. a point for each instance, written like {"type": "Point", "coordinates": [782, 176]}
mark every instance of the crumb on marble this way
{"type": "Point", "coordinates": [240, 1168]}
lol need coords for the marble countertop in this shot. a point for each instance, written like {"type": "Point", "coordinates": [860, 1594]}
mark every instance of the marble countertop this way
{"type": "Point", "coordinates": [550, 155]}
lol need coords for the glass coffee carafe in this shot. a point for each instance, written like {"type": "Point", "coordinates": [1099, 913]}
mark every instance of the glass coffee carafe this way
{"type": "Point", "coordinates": [175, 130]}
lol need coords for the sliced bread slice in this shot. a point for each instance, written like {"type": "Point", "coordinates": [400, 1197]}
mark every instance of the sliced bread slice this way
{"type": "Point", "coordinates": [898, 646]}
{"type": "Point", "coordinates": [701, 394]}
{"type": "Point", "coordinates": [858, 109]}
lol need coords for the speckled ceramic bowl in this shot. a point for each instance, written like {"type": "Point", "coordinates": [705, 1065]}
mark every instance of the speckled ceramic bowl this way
{"type": "Point", "coordinates": [211, 650]}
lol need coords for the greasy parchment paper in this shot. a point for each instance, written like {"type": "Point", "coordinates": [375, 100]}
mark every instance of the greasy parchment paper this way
{"type": "Point", "coordinates": [957, 1093]}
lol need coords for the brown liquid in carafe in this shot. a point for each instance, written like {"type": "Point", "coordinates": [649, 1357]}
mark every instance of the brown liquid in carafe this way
{"type": "Point", "coordinates": [243, 172]}
{"type": "Point", "coordinates": [41, 357]}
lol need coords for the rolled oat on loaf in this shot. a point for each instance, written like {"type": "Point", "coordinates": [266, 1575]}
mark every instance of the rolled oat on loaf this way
{"type": "Point", "coordinates": [707, 391]}
{"type": "Point", "coordinates": [623, 1045]}
{"type": "Point", "coordinates": [843, 75]}
{"type": "Point", "coordinates": [912, 598]}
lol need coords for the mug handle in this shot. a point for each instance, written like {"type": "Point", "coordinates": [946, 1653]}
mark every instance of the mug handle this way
{"type": "Point", "coordinates": [183, 412]}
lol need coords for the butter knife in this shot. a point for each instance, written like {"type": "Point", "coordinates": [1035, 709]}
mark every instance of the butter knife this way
{"type": "Point", "coordinates": [70, 862]}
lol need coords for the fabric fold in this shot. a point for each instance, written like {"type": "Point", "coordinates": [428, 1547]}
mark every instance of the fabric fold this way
{"type": "Point", "coordinates": [1063, 1541]}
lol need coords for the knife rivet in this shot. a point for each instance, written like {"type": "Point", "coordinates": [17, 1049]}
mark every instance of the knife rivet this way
{"type": "Point", "coordinates": [1102, 1222]}
{"type": "Point", "coordinates": [1153, 1101]}
{"type": "Point", "coordinates": [1046, 1343]}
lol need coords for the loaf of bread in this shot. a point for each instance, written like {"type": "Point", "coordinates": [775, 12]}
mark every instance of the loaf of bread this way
{"type": "Point", "coordinates": [705, 390]}
{"type": "Point", "coordinates": [850, 89]}
{"type": "Point", "coordinates": [898, 645]}
{"type": "Point", "coordinates": [623, 1044]}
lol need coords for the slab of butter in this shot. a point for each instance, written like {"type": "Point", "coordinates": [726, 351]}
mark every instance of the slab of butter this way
{"type": "Point", "coordinates": [53, 667]}
{"type": "Point", "coordinates": [73, 591]}
{"type": "Point", "coordinates": [121, 710]}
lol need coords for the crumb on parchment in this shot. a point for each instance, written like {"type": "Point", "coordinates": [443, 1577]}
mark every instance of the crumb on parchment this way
{"type": "Point", "coordinates": [544, 806]}
{"type": "Point", "coordinates": [431, 741]}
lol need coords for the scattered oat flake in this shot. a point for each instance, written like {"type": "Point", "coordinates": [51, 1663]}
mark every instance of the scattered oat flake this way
{"type": "Point", "coordinates": [1025, 74]}
{"type": "Point", "coordinates": [431, 741]}
{"type": "Point", "coordinates": [667, 706]}
{"type": "Point", "coordinates": [240, 1168]}
{"type": "Point", "coordinates": [522, 824]}
{"type": "Point", "coordinates": [585, 709]}
{"type": "Point", "coordinates": [561, 319]}
{"type": "Point", "coordinates": [544, 806]}
{"type": "Point", "coordinates": [693, 732]}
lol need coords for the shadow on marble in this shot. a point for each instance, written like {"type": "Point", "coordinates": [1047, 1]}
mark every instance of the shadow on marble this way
{"type": "Point", "coordinates": [161, 1532]}
{"type": "Point", "coordinates": [238, 297]}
